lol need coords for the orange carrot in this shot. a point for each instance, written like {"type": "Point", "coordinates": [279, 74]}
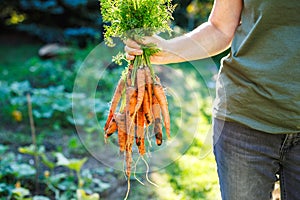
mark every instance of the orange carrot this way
{"type": "Point", "coordinates": [115, 100]}
{"type": "Point", "coordinates": [140, 79]}
{"type": "Point", "coordinates": [162, 99]}
{"type": "Point", "coordinates": [112, 127]}
{"type": "Point", "coordinates": [128, 77]}
{"type": "Point", "coordinates": [131, 98]}
{"type": "Point", "coordinates": [122, 135]}
{"type": "Point", "coordinates": [140, 141]}
{"type": "Point", "coordinates": [128, 148]}
{"type": "Point", "coordinates": [149, 83]}
{"type": "Point", "coordinates": [157, 121]}
{"type": "Point", "coordinates": [128, 158]}
{"type": "Point", "coordinates": [147, 108]}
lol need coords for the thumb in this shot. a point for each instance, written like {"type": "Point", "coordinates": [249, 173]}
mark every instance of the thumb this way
{"type": "Point", "coordinates": [150, 40]}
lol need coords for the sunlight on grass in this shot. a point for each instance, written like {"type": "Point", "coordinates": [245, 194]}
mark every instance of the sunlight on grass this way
{"type": "Point", "coordinates": [194, 174]}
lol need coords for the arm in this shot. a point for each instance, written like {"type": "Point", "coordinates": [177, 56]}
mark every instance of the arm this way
{"type": "Point", "coordinates": [210, 38]}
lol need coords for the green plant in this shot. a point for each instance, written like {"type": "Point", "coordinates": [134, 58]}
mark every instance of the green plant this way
{"type": "Point", "coordinates": [197, 182]}
{"type": "Point", "coordinates": [53, 103]}
{"type": "Point", "coordinates": [72, 164]}
{"type": "Point", "coordinates": [12, 172]}
{"type": "Point", "coordinates": [135, 18]}
{"type": "Point", "coordinates": [20, 193]}
{"type": "Point", "coordinates": [66, 183]}
{"type": "Point", "coordinates": [76, 21]}
{"type": "Point", "coordinates": [54, 72]}
{"type": "Point", "coordinates": [63, 185]}
{"type": "Point", "coordinates": [30, 150]}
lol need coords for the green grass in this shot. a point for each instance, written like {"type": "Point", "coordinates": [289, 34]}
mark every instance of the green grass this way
{"type": "Point", "coordinates": [12, 59]}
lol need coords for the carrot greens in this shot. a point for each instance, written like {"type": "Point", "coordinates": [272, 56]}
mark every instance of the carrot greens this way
{"type": "Point", "coordinates": [135, 18]}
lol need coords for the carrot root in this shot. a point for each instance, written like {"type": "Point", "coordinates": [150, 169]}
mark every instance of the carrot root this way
{"type": "Point", "coordinates": [128, 189]}
{"type": "Point", "coordinates": [148, 137]}
{"type": "Point", "coordinates": [162, 99]}
{"type": "Point", "coordinates": [134, 173]}
{"type": "Point", "coordinates": [147, 172]}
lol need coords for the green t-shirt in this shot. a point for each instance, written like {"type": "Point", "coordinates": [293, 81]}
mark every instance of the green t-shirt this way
{"type": "Point", "coordinates": [259, 81]}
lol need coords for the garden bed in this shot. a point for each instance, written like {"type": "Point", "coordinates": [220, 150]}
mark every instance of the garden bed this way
{"type": "Point", "coordinates": [50, 83]}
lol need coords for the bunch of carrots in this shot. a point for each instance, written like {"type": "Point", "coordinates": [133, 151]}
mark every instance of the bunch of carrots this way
{"type": "Point", "coordinates": [142, 103]}
{"type": "Point", "coordinates": [139, 91]}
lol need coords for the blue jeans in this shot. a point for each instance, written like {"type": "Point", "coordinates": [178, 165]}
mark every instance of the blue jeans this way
{"type": "Point", "coordinates": [248, 161]}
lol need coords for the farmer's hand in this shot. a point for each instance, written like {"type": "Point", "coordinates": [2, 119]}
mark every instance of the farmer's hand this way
{"type": "Point", "coordinates": [133, 48]}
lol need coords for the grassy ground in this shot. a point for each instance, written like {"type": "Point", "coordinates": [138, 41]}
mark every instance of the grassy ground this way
{"type": "Point", "coordinates": [15, 51]}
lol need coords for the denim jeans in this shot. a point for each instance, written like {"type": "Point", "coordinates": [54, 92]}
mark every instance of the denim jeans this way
{"type": "Point", "coordinates": [248, 161]}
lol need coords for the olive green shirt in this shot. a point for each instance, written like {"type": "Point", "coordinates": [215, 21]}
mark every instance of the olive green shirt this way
{"type": "Point", "coordinates": [259, 81]}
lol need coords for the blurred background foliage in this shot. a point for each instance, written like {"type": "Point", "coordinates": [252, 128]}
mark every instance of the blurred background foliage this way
{"type": "Point", "coordinates": [75, 26]}
{"type": "Point", "coordinates": [79, 21]}
{"type": "Point", "coordinates": [61, 21]}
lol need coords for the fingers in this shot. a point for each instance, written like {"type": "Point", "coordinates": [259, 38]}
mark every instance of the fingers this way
{"type": "Point", "coordinates": [129, 57]}
{"type": "Point", "coordinates": [132, 49]}
{"type": "Point", "coordinates": [151, 40]}
{"type": "Point", "coordinates": [132, 43]}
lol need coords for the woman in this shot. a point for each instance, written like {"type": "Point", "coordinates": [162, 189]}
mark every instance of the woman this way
{"type": "Point", "coordinates": [257, 107]}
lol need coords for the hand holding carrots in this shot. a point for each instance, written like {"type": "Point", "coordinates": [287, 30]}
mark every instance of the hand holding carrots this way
{"type": "Point", "coordinates": [164, 56]}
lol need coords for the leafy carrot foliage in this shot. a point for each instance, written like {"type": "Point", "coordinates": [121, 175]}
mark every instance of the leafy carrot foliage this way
{"type": "Point", "coordinates": [135, 18]}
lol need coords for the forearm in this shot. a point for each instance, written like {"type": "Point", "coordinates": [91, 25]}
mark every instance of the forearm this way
{"type": "Point", "coordinates": [205, 41]}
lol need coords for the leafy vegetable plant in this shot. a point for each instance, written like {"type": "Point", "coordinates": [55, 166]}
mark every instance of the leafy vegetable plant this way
{"type": "Point", "coordinates": [135, 18]}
